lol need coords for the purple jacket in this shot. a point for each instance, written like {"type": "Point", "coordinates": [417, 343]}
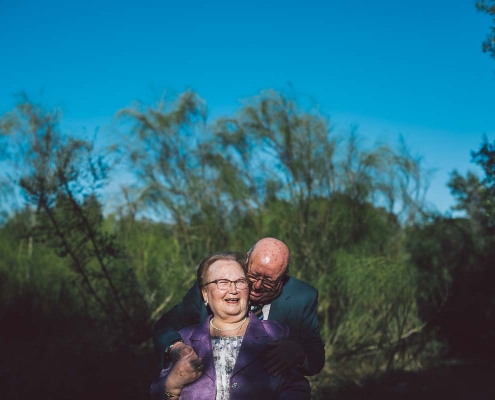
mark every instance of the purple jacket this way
{"type": "Point", "coordinates": [248, 380]}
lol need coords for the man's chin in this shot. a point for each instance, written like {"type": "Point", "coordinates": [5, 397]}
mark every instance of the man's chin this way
{"type": "Point", "coordinates": [256, 297]}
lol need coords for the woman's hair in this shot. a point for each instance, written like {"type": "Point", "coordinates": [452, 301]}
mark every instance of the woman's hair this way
{"type": "Point", "coordinates": [221, 255]}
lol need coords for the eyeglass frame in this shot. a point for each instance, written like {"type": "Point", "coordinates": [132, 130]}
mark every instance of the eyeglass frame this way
{"type": "Point", "coordinates": [272, 285]}
{"type": "Point", "coordinates": [230, 283]}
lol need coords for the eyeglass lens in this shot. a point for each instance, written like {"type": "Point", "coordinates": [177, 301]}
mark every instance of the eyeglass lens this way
{"type": "Point", "coordinates": [224, 284]}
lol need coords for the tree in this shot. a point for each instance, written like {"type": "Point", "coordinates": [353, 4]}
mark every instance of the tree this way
{"type": "Point", "coordinates": [298, 171]}
{"type": "Point", "coordinates": [488, 7]}
{"type": "Point", "coordinates": [170, 153]}
{"type": "Point", "coordinates": [476, 197]}
{"type": "Point", "coordinates": [59, 176]}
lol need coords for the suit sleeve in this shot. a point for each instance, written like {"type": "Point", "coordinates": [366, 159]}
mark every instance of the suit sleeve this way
{"type": "Point", "coordinates": [310, 338]}
{"type": "Point", "coordinates": [294, 385]}
{"type": "Point", "coordinates": [188, 312]}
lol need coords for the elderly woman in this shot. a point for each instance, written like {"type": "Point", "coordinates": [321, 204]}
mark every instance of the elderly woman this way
{"type": "Point", "coordinates": [229, 345]}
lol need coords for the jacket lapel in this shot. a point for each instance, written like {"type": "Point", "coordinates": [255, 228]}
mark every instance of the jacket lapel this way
{"type": "Point", "coordinates": [280, 307]}
{"type": "Point", "coordinates": [200, 340]}
{"type": "Point", "coordinates": [254, 342]}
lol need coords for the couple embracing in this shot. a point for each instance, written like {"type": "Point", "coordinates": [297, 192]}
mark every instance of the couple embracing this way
{"type": "Point", "coordinates": [245, 330]}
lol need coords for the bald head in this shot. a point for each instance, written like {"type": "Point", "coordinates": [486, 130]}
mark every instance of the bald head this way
{"type": "Point", "coordinates": [268, 262]}
{"type": "Point", "coordinates": [270, 252]}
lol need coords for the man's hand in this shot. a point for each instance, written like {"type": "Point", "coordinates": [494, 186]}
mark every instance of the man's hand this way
{"type": "Point", "coordinates": [186, 369]}
{"type": "Point", "coordinates": [282, 355]}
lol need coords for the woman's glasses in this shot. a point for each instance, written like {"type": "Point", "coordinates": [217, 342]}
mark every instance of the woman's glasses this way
{"type": "Point", "coordinates": [224, 284]}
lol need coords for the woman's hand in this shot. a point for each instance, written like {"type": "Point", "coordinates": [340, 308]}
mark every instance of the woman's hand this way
{"type": "Point", "coordinates": [185, 370]}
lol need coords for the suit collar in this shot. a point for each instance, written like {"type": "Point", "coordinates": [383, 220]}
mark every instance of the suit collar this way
{"type": "Point", "coordinates": [280, 307]}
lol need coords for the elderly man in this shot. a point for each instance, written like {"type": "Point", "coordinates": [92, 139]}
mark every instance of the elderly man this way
{"type": "Point", "coordinates": [275, 296]}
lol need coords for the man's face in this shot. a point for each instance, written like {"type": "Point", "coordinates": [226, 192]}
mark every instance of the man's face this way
{"type": "Point", "coordinates": [266, 275]}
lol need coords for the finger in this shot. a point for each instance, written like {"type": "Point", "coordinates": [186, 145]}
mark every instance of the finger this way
{"type": "Point", "coordinates": [269, 363]}
{"type": "Point", "coordinates": [278, 364]}
{"type": "Point", "coordinates": [272, 355]}
{"type": "Point", "coordinates": [196, 363]}
{"type": "Point", "coordinates": [196, 366]}
{"type": "Point", "coordinates": [275, 346]}
{"type": "Point", "coordinates": [186, 350]}
{"type": "Point", "coordinates": [181, 350]}
{"type": "Point", "coordinates": [271, 346]}
{"type": "Point", "coordinates": [277, 368]}
{"type": "Point", "coordinates": [191, 357]}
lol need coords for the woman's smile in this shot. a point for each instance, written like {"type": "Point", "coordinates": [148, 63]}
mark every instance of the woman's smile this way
{"type": "Point", "coordinates": [232, 300]}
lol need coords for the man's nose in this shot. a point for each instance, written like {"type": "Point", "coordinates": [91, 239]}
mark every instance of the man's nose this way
{"type": "Point", "coordinates": [258, 284]}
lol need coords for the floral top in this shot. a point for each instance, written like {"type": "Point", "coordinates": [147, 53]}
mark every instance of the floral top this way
{"type": "Point", "coordinates": [225, 351]}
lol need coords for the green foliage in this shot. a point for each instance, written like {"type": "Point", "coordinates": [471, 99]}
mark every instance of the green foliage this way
{"type": "Point", "coordinates": [59, 179]}
{"type": "Point", "coordinates": [154, 255]}
{"type": "Point", "coordinates": [376, 304]}
{"type": "Point", "coordinates": [351, 215]}
{"type": "Point", "coordinates": [440, 249]}
{"type": "Point", "coordinates": [472, 291]}
{"type": "Point", "coordinates": [488, 7]}
{"type": "Point", "coordinates": [476, 196]}
{"type": "Point", "coordinates": [23, 265]}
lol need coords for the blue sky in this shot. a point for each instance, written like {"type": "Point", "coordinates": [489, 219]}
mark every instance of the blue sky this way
{"type": "Point", "coordinates": [411, 68]}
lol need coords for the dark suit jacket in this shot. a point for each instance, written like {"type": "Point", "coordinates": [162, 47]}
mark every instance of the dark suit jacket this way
{"type": "Point", "coordinates": [248, 379]}
{"type": "Point", "coordinates": [295, 307]}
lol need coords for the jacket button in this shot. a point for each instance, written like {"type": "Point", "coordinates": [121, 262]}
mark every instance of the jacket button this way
{"type": "Point", "coordinates": [234, 386]}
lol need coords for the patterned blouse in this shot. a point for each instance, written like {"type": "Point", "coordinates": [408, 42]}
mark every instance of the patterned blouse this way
{"type": "Point", "coordinates": [225, 351]}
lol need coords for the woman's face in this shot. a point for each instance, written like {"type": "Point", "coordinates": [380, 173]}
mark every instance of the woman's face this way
{"type": "Point", "coordinates": [230, 304]}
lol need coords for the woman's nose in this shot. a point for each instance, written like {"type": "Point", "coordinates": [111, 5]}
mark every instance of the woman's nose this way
{"type": "Point", "coordinates": [233, 287]}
